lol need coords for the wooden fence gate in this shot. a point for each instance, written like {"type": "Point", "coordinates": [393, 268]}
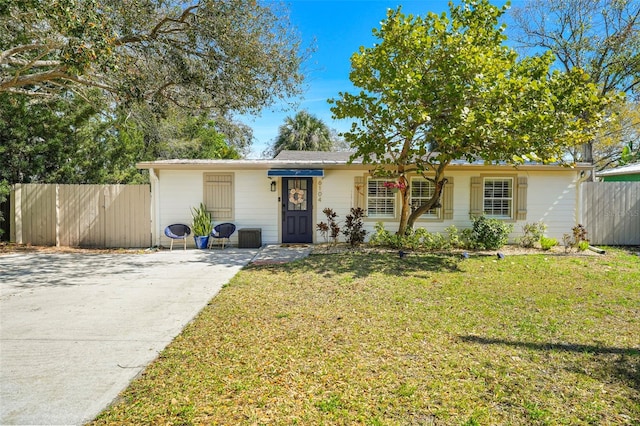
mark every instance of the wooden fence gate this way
{"type": "Point", "coordinates": [611, 212]}
{"type": "Point", "coordinates": [81, 215]}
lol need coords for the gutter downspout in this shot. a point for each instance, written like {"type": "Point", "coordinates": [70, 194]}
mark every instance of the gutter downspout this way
{"type": "Point", "coordinates": [155, 207]}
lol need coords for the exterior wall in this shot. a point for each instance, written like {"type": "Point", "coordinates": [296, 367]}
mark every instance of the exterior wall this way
{"type": "Point", "coordinates": [255, 205]}
{"type": "Point", "coordinates": [552, 197]}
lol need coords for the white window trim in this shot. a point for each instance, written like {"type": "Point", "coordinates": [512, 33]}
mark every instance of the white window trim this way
{"type": "Point", "coordinates": [394, 199]}
{"type": "Point", "coordinates": [426, 216]}
{"type": "Point", "coordinates": [511, 199]}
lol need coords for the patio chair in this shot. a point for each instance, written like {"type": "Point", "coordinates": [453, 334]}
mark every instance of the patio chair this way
{"type": "Point", "coordinates": [222, 232]}
{"type": "Point", "coordinates": [178, 231]}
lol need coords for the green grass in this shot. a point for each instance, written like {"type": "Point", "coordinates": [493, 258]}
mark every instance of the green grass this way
{"type": "Point", "coordinates": [372, 339]}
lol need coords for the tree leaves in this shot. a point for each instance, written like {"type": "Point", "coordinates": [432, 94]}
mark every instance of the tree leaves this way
{"type": "Point", "coordinates": [229, 55]}
{"type": "Point", "coordinates": [439, 89]}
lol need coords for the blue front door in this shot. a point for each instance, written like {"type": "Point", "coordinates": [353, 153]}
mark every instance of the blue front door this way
{"type": "Point", "coordinates": [297, 210]}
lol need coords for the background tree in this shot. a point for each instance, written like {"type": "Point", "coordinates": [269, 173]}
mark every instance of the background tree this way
{"type": "Point", "coordinates": [222, 55]}
{"type": "Point", "coordinates": [618, 142]}
{"type": "Point", "coordinates": [68, 141]}
{"type": "Point", "coordinates": [602, 37]}
{"type": "Point", "coordinates": [303, 132]}
{"type": "Point", "coordinates": [439, 88]}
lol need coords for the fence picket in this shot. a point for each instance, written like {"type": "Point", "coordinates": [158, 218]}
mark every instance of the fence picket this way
{"type": "Point", "coordinates": [611, 212]}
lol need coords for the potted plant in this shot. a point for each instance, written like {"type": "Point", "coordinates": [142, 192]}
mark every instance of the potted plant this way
{"type": "Point", "coordinates": [201, 226]}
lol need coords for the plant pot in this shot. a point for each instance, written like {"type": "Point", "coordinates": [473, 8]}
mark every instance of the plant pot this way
{"type": "Point", "coordinates": [202, 242]}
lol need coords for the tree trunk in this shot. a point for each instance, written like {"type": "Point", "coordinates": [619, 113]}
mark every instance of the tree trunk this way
{"type": "Point", "coordinates": [434, 201]}
{"type": "Point", "coordinates": [405, 195]}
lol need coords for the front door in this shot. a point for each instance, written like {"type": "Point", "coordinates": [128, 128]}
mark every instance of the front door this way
{"type": "Point", "coordinates": [297, 226]}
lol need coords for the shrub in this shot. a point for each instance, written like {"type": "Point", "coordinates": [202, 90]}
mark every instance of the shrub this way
{"type": "Point", "coordinates": [354, 227]}
{"type": "Point", "coordinates": [579, 235]}
{"type": "Point", "coordinates": [332, 229]}
{"type": "Point", "coordinates": [532, 232]}
{"type": "Point", "coordinates": [380, 236]}
{"type": "Point", "coordinates": [421, 239]}
{"type": "Point", "coordinates": [577, 239]}
{"type": "Point", "coordinates": [489, 233]}
{"type": "Point", "coordinates": [546, 243]}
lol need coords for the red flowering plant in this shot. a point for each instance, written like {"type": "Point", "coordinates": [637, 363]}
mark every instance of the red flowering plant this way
{"type": "Point", "coordinates": [395, 186]}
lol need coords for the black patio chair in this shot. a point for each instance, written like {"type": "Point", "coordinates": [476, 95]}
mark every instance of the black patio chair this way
{"type": "Point", "coordinates": [222, 232]}
{"type": "Point", "coordinates": [178, 231]}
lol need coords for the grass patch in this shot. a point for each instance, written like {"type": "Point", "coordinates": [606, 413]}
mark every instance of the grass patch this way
{"type": "Point", "coordinates": [373, 339]}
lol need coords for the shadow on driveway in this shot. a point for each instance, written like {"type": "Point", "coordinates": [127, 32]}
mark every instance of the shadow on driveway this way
{"type": "Point", "coordinates": [76, 328]}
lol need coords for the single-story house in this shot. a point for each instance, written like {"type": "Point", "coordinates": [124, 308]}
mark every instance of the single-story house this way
{"type": "Point", "coordinates": [628, 173]}
{"type": "Point", "coordinates": [285, 197]}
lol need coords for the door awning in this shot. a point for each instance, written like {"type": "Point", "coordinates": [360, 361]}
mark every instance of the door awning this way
{"type": "Point", "coordinates": [295, 173]}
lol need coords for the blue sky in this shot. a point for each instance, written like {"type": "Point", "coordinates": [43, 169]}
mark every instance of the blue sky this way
{"type": "Point", "coordinates": [337, 29]}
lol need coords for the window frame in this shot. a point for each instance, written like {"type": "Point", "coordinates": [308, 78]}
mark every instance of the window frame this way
{"type": "Point", "coordinates": [393, 197]}
{"type": "Point", "coordinates": [438, 211]}
{"type": "Point", "coordinates": [511, 199]}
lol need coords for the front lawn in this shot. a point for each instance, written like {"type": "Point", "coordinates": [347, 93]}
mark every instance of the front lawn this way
{"type": "Point", "coordinates": [373, 339]}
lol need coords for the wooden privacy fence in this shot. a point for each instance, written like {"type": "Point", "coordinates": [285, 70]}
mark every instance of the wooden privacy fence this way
{"type": "Point", "coordinates": [611, 212]}
{"type": "Point", "coordinates": [81, 215]}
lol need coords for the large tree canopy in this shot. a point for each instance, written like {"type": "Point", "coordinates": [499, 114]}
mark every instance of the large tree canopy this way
{"type": "Point", "coordinates": [441, 88]}
{"type": "Point", "coordinates": [602, 37]}
{"type": "Point", "coordinates": [224, 55]}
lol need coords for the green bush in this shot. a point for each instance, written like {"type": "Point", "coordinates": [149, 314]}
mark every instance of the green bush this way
{"type": "Point", "coordinates": [380, 236]}
{"type": "Point", "coordinates": [419, 239]}
{"type": "Point", "coordinates": [532, 232]}
{"type": "Point", "coordinates": [490, 234]}
{"type": "Point", "coordinates": [583, 245]}
{"type": "Point", "coordinates": [546, 243]}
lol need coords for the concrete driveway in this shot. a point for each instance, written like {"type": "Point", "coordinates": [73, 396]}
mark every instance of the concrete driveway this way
{"type": "Point", "coordinates": [76, 328]}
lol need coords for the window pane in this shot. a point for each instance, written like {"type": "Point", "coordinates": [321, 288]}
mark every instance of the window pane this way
{"type": "Point", "coordinates": [498, 197]}
{"type": "Point", "coordinates": [421, 191]}
{"type": "Point", "coordinates": [297, 190]}
{"type": "Point", "coordinates": [380, 199]}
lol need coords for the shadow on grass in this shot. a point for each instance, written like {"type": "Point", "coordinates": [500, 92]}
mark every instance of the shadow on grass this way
{"type": "Point", "coordinates": [623, 363]}
{"type": "Point", "coordinates": [363, 264]}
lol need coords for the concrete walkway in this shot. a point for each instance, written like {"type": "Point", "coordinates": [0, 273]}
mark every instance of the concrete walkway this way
{"type": "Point", "coordinates": [75, 329]}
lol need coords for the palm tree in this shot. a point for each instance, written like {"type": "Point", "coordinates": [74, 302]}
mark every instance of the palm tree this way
{"type": "Point", "coordinates": [304, 132]}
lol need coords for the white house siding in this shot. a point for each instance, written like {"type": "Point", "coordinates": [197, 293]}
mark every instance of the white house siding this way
{"type": "Point", "coordinates": [255, 205]}
{"type": "Point", "coordinates": [178, 192]}
{"type": "Point", "coordinates": [551, 198]}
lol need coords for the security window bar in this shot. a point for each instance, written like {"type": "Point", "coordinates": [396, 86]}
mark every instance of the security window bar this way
{"type": "Point", "coordinates": [498, 197]}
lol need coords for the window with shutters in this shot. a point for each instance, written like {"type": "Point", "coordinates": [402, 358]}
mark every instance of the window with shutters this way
{"type": "Point", "coordinates": [381, 200]}
{"type": "Point", "coordinates": [498, 197]}
{"type": "Point", "coordinates": [218, 196]}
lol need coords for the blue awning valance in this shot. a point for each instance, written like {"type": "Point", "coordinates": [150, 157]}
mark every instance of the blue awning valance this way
{"type": "Point", "coordinates": [295, 173]}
